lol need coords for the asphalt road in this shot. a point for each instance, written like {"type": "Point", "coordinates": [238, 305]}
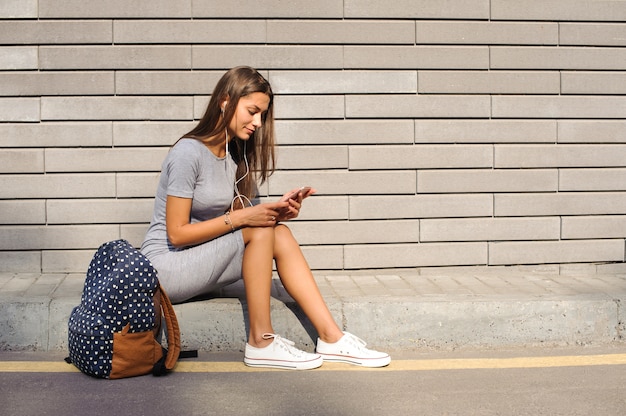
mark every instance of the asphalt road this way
{"type": "Point", "coordinates": [579, 381]}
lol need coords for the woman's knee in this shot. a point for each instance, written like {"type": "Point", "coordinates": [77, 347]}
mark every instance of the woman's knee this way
{"type": "Point", "coordinates": [284, 239]}
{"type": "Point", "coordinates": [283, 232]}
{"type": "Point", "coordinates": [280, 234]}
{"type": "Point", "coordinates": [261, 234]}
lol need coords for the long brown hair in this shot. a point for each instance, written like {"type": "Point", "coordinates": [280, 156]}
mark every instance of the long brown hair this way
{"type": "Point", "coordinates": [259, 149]}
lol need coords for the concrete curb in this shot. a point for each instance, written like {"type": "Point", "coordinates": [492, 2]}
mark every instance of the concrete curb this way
{"type": "Point", "coordinates": [391, 310]}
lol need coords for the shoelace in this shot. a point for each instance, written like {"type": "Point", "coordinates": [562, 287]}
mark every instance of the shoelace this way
{"type": "Point", "coordinates": [286, 344]}
{"type": "Point", "coordinates": [356, 341]}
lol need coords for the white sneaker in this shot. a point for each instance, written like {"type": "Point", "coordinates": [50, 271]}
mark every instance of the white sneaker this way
{"type": "Point", "coordinates": [350, 349]}
{"type": "Point", "coordinates": [281, 353]}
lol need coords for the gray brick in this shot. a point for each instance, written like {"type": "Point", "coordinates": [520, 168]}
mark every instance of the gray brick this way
{"type": "Point", "coordinates": [267, 57]}
{"type": "Point", "coordinates": [325, 208]}
{"type": "Point", "coordinates": [199, 106]}
{"type": "Point", "coordinates": [489, 82]}
{"type": "Point", "coordinates": [56, 237]}
{"type": "Point", "coordinates": [510, 180]}
{"type": "Point", "coordinates": [586, 10]}
{"type": "Point", "coordinates": [588, 131]}
{"type": "Point", "coordinates": [531, 57]}
{"type": "Point", "coordinates": [604, 34]}
{"type": "Point", "coordinates": [42, 32]}
{"type": "Point", "coordinates": [593, 82]}
{"type": "Point", "coordinates": [344, 131]}
{"type": "Point", "coordinates": [561, 203]}
{"type": "Point", "coordinates": [485, 131]}
{"type": "Point", "coordinates": [341, 32]}
{"type": "Point", "coordinates": [149, 133]}
{"type": "Point", "coordinates": [356, 232]}
{"type": "Point", "coordinates": [23, 212]}
{"type": "Point", "coordinates": [610, 268]}
{"type": "Point", "coordinates": [343, 82]}
{"type": "Point", "coordinates": [61, 83]}
{"type": "Point", "coordinates": [66, 261]}
{"type": "Point", "coordinates": [127, 159]}
{"type": "Point", "coordinates": [558, 106]}
{"type": "Point", "coordinates": [270, 9]}
{"type": "Point", "coordinates": [538, 252]}
{"type": "Point", "coordinates": [547, 156]}
{"type": "Point", "coordinates": [606, 226]}
{"type": "Point", "coordinates": [136, 185]}
{"type": "Point", "coordinates": [309, 106]}
{"type": "Point", "coordinates": [57, 186]}
{"type": "Point", "coordinates": [20, 261]}
{"type": "Point", "coordinates": [189, 31]}
{"type": "Point", "coordinates": [114, 8]}
{"type": "Point", "coordinates": [490, 229]}
{"type": "Point", "coordinates": [312, 157]}
{"type": "Point", "coordinates": [114, 57]}
{"type": "Point", "coordinates": [19, 109]}
{"type": "Point", "coordinates": [345, 183]}
{"type": "Point", "coordinates": [165, 82]}
{"type": "Point", "coordinates": [134, 233]}
{"type": "Point", "coordinates": [18, 58]}
{"type": "Point", "coordinates": [116, 108]}
{"type": "Point", "coordinates": [592, 180]}
{"type": "Point", "coordinates": [18, 9]}
{"type": "Point", "coordinates": [55, 134]}
{"type": "Point", "coordinates": [324, 257]}
{"type": "Point", "coordinates": [412, 57]}
{"type": "Point", "coordinates": [421, 157]}
{"type": "Point", "coordinates": [21, 161]}
{"type": "Point", "coordinates": [409, 106]}
{"type": "Point", "coordinates": [420, 206]}
{"type": "Point", "coordinates": [414, 255]}
{"type": "Point", "coordinates": [487, 33]}
{"type": "Point", "coordinates": [105, 211]}
{"type": "Point", "coordinates": [420, 9]}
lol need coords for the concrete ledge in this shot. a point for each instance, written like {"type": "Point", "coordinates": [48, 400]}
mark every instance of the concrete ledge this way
{"type": "Point", "coordinates": [391, 309]}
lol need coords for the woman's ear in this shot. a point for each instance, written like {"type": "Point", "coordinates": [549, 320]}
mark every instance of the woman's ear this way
{"type": "Point", "coordinates": [224, 104]}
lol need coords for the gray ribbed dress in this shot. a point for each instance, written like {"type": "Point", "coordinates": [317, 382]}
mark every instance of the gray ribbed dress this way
{"type": "Point", "coordinates": [191, 170]}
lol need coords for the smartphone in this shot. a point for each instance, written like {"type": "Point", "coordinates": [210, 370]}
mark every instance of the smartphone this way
{"type": "Point", "coordinates": [294, 195]}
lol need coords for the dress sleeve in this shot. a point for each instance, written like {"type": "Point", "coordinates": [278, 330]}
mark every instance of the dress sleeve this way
{"type": "Point", "coordinates": [183, 168]}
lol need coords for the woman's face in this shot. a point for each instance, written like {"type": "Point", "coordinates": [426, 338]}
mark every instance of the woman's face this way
{"type": "Point", "coordinates": [249, 115]}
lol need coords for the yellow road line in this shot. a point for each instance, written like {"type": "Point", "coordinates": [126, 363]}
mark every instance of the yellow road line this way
{"type": "Point", "coordinates": [397, 365]}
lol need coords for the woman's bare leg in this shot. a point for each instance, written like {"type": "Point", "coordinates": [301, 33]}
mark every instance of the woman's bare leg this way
{"type": "Point", "coordinates": [257, 277]}
{"type": "Point", "coordinates": [296, 276]}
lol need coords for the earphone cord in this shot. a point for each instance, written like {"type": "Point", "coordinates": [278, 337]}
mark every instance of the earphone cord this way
{"type": "Point", "coordinates": [242, 199]}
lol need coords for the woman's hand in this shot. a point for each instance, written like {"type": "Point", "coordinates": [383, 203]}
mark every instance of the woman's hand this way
{"type": "Point", "coordinates": [261, 215]}
{"type": "Point", "coordinates": [293, 209]}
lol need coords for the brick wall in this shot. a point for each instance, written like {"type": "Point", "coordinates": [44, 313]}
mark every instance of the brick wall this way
{"type": "Point", "coordinates": [438, 133]}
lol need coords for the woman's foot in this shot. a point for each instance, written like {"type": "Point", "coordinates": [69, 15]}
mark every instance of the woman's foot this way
{"type": "Point", "coordinates": [351, 349]}
{"type": "Point", "coordinates": [281, 353]}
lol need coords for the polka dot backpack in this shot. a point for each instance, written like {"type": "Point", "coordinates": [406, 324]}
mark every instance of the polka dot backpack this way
{"type": "Point", "coordinates": [115, 331]}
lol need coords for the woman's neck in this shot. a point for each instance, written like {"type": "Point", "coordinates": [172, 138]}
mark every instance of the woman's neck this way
{"type": "Point", "coordinates": [216, 145]}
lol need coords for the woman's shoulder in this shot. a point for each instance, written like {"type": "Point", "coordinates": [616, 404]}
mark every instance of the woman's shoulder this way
{"type": "Point", "coordinates": [185, 151]}
{"type": "Point", "coordinates": [187, 143]}
{"type": "Point", "coordinates": [188, 148]}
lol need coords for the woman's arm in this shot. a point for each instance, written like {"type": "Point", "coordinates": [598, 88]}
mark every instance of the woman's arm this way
{"type": "Point", "coordinates": [182, 233]}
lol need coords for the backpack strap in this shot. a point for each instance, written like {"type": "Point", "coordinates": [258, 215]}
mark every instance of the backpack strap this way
{"type": "Point", "coordinates": [173, 331]}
